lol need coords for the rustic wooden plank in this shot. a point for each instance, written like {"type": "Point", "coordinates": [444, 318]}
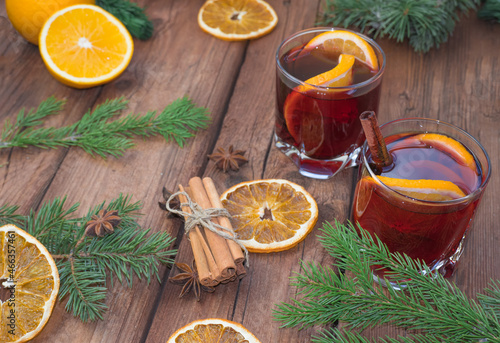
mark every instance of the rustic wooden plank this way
{"type": "Point", "coordinates": [248, 125]}
{"type": "Point", "coordinates": [26, 173]}
{"type": "Point", "coordinates": [177, 61]}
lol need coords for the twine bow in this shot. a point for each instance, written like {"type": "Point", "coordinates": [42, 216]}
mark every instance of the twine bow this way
{"type": "Point", "coordinates": [204, 218]}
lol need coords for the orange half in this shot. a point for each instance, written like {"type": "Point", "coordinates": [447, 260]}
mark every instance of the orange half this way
{"type": "Point", "coordinates": [85, 46]}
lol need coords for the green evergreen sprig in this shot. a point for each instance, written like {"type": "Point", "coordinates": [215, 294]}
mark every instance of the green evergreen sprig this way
{"type": "Point", "coordinates": [131, 15]}
{"type": "Point", "coordinates": [88, 265]}
{"type": "Point", "coordinates": [490, 10]}
{"type": "Point", "coordinates": [431, 304]}
{"type": "Point", "coordinates": [98, 132]}
{"type": "Point", "coordinates": [425, 23]}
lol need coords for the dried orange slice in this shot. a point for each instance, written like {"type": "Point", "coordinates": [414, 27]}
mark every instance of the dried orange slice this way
{"type": "Point", "coordinates": [430, 190]}
{"type": "Point", "coordinates": [235, 20]}
{"type": "Point", "coordinates": [333, 43]}
{"type": "Point", "coordinates": [270, 215]}
{"type": "Point", "coordinates": [30, 274]}
{"type": "Point", "coordinates": [85, 46]}
{"type": "Point", "coordinates": [450, 146]}
{"type": "Point", "coordinates": [213, 330]}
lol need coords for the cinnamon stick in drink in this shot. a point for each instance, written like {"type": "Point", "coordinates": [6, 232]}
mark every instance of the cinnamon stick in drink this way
{"type": "Point", "coordinates": [218, 245]}
{"type": "Point", "coordinates": [375, 140]}
{"type": "Point", "coordinates": [214, 197]}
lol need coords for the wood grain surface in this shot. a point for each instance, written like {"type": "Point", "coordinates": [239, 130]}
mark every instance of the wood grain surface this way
{"type": "Point", "coordinates": [458, 83]}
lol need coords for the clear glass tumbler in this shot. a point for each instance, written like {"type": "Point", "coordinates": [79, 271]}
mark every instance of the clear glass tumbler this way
{"type": "Point", "coordinates": [318, 125]}
{"type": "Point", "coordinates": [424, 203]}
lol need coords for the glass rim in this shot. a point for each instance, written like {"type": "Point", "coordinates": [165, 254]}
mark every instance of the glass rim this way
{"type": "Point", "coordinates": [325, 29]}
{"type": "Point", "coordinates": [466, 198]}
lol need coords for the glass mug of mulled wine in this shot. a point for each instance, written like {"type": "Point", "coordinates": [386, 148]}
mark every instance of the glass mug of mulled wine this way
{"type": "Point", "coordinates": [422, 204]}
{"type": "Point", "coordinates": [325, 78]}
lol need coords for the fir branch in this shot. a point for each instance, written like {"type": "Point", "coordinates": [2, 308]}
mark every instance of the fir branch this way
{"type": "Point", "coordinates": [490, 10]}
{"type": "Point", "coordinates": [97, 134]}
{"type": "Point", "coordinates": [131, 15]}
{"type": "Point", "coordinates": [430, 303]}
{"type": "Point", "coordinates": [426, 23]}
{"type": "Point", "coordinates": [8, 215]}
{"type": "Point", "coordinates": [84, 262]}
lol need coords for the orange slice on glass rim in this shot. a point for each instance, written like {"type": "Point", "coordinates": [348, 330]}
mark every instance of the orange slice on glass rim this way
{"type": "Point", "coordinates": [30, 275]}
{"type": "Point", "coordinates": [270, 215]}
{"type": "Point", "coordinates": [452, 147]}
{"type": "Point", "coordinates": [430, 190]}
{"type": "Point", "coordinates": [235, 20]}
{"type": "Point", "coordinates": [213, 330]}
{"type": "Point", "coordinates": [334, 43]}
{"type": "Point", "coordinates": [85, 46]}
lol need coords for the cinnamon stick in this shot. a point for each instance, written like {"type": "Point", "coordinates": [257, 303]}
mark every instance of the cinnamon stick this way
{"type": "Point", "coordinates": [208, 271]}
{"type": "Point", "coordinates": [214, 197]}
{"type": "Point", "coordinates": [218, 245]}
{"type": "Point", "coordinates": [375, 140]}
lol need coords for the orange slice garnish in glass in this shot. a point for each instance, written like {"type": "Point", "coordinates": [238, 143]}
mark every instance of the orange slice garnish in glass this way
{"type": "Point", "coordinates": [450, 146]}
{"type": "Point", "coordinates": [306, 126]}
{"type": "Point", "coordinates": [334, 43]}
{"type": "Point", "coordinates": [430, 190]}
{"type": "Point", "coordinates": [270, 215]}
{"type": "Point", "coordinates": [235, 20]}
{"type": "Point", "coordinates": [340, 76]}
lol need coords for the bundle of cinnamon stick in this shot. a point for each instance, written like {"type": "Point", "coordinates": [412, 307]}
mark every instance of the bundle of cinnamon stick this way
{"type": "Point", "coordinates": [217, 259]}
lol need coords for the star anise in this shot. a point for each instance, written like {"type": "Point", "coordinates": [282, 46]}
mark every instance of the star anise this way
{"type": "Point", "coordinates": [174, 204]}
{"type": "Point", "coordinates": [103, 223]}
{"type": "Point", "coordinates": [230, 159]}
{"type": "Point", "coordinates": [189, 278]}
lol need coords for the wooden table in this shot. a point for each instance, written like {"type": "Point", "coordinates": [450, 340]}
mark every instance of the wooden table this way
{"type": "Point", "coordinates": [458, 83]}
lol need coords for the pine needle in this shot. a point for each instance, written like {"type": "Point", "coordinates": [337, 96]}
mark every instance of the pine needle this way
{"type": "Point", "coordinates": [430, 304]}
{"type": "Point", "coordinates": [98, 133]}
{"type": "Point", "coordinates": [84, 263]}
{"type": "Point", "coordinates": [426, 24]}
{"type": "Point", "coordinates": [131, 15]}
{"type": "Point", "coordinates": [490, 10]}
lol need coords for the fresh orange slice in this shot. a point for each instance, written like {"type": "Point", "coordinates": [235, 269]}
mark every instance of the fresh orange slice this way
{"type": "Point", "coordinates": [85, 46]}
{"type": "Point", "coordinates": [213, 330]}
{"type": "Point", "coordinates": [270, 215]}
{"type": "Point", "coordinates": [303, 117]}
{"type": "Point", "coordinates": [235, 20]}
{"type": "Point", "coordinates": [333, 43]}
{"type": "Point", "coordinates": [450, 146]}
{"type": "Point", "coordinates": [340, 76]}
{"type": "Point", "coordinates": [30, 274]}
{"type": "Point", "coordinates": [430, 190]}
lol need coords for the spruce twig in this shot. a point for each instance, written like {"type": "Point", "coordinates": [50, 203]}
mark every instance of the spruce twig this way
{"type": "Point", "coordinates": [97, 133]}
{"type": "Point", "coordinates": [131, 15]}
{"type": "Point", "coordinates": [425, 23]}
{"type": "Point", "coordinates": [85, 262]}
{"type": "Point", "coordinates": [490, 10]}
{"type": "Point", "coordinates": [430, 304]}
